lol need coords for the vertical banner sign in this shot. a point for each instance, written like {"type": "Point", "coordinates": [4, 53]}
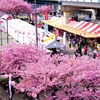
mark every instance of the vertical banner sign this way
{"type": "Point", "coordinates": [45, 25]}
{"type": "Point", "coordinates": [10, 92]}
{"type": "Point", "coordinates": [41, 18]}
{"type": "Point", "coordinates": [46, 15]}
{"type": "Point", "coordinates": [56, 33]}
{"type": "Point", "coordinates": [45, 28]}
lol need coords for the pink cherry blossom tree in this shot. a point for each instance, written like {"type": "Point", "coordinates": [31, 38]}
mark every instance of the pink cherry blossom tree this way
{"type": "Point", "coordinates": [15, 56]}
{"type": "Point", "coordinates": [43, 9]}
{"type": "Point", "coordinates": [15, 7]}
{"type": "Point", "coordinates": [74, 78]}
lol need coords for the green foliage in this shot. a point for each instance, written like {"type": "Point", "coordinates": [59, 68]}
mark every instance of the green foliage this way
{"type": "Point", "coordinates": [3, 80]}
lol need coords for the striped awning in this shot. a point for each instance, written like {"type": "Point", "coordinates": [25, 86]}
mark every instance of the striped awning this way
{"type": "Point", "coordinates": [83, 28]}
{"type": "Point", "coordinates": [91, 28]}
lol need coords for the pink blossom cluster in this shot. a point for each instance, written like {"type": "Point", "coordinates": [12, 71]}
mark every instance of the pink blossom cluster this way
{"type": "Point", "coordinates": [43, 9]}
{"type": "Point", "coordinates": [75, 78]}
{"type": "Point", "coordinates": [16, 56]}
{"type": "Point", "coordinates": [15, 6]}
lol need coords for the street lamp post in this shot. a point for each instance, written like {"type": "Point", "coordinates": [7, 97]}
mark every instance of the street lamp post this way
{"type": "Point", "coordinates": [36, 24]}
{"type": "Point", "coordinates": [6, 18]}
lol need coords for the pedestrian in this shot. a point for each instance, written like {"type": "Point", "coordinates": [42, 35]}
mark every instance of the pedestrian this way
{"type": "Point", "coordinates": [83, 41]}
{"type": "Point", "coordinates": [85, 50]}
{"type": "Point", "coordinates": [70, 43]}
{"type": "Point", "coordinates": [54, 51]}
{"type": "Point", "coordinates": [78, 53]}
{"type": "Point", "coordinates": [89, 51]}
{"type": "Point", "coordinates": [79, 50]}
{"type": "Point", "coordinates": [73, 42]}
{"type": "Point", "coordinates": [95, 53]}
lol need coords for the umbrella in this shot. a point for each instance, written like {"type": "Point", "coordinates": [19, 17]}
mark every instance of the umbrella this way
{"type": "Point", "coordinates": [54, 44]}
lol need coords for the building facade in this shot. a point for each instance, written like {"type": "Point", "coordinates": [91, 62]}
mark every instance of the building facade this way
{"type": "Point", "coordinates": [89, 6]}
{"type": "Point", "coordinates": [93, 6]}
{"type": "Point", "coordinates": [83, 0]}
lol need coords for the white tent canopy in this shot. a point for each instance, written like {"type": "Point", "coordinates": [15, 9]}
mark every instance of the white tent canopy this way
{"type": "Point", "coordinates": [25, 33]}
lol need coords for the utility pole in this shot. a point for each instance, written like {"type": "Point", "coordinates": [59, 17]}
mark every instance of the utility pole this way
{"type": "Point", "coordinates": [36, 23]}
{"type": "Point", "coordinates": [7, 32]}
{"type": "Point", "coordinates": [0, 32]}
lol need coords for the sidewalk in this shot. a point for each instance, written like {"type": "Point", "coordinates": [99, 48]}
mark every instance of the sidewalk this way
{"type": "Point", "coordinates": [4, 94]}
{"type": "Point", "coordinates": [69, 51]}
{"type": "Point", "coordinates": [3, 39]}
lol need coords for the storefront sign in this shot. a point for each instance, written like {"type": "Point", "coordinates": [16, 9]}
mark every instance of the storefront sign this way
{"type": "Point", "coordinates": [46, 15]}
{"type": "Point", "coordinates": [49, 38]}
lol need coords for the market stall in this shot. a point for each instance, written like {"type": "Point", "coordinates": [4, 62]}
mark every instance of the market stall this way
{"type": "Point", "coordinates": [82, 28]}
{"type": "Point", "coordinates": [24, 32]}
{"type": "Point", "coordinates": [88, 30]}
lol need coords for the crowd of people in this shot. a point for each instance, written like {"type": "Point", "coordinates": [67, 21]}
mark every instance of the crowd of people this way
{"type": "Point", "coordinates": [83, 47]}
{"type": "Point", "coordinates": [86, 51]}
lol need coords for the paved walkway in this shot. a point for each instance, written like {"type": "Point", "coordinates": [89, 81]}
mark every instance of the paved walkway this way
{"type": "Point", "coordinates": [4, 94]}
{"type": "Point", "coordinates": [3, 41]}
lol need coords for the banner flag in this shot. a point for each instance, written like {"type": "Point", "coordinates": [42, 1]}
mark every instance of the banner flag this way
{"type": "Point", "coordinates": [45, 28]}
{"type": "Point", "coordinates": [57, 33]}
{"type": "Point", "coordinates": [41, 18]}
{"type": "Point", "coordinates": [49, 38]}
{"type": "Point", "coordinates": [46, 15]}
